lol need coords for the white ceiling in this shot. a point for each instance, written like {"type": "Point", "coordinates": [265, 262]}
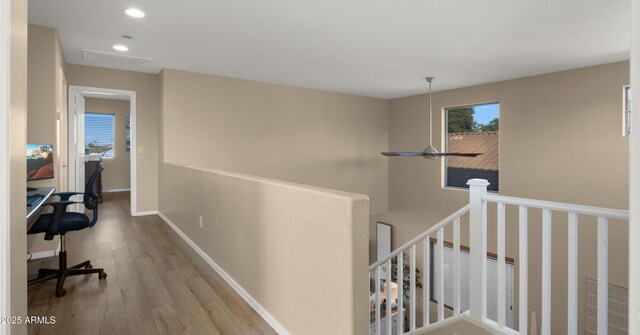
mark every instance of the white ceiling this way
{"type": "Point", "coordinates": [379, 48]}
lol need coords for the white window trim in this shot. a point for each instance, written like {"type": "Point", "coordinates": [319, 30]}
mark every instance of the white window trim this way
{"type": "Point", "coordinates": [127, 137]}
{"type": "Point", "coordinates": [445, 141]}
{"type": "Point", "coordinates": [626, 111]}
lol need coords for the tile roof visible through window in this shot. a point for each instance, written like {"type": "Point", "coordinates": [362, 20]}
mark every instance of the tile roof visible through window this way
{"type": "Point", "coordinates": [485, 143]}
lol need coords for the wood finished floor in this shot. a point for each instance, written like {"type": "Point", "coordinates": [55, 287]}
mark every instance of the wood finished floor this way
{"type": "Point", "coordinates": [156, 283]}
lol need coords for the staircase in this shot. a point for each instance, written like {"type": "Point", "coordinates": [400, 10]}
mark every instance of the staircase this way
{"type": "Point", "coordinates": [415, 316]}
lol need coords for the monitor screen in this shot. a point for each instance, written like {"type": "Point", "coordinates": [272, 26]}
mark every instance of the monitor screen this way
{"type": "Point", "coordinates": [39, 161]}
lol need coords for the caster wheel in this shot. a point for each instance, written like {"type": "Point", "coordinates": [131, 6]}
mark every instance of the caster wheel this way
{"type": "Point", "coordinates": [61, 292]}
{"type": "Point", "coordinates": [89, 266]}
{"type": "Point", "coordinates": [102, 275]}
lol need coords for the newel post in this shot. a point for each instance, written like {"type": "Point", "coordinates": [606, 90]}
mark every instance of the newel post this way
{"type": "Point", "coordinates": [478, 248]}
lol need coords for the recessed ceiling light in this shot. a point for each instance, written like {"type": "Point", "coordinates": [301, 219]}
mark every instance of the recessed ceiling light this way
{"type": "Point", "coordinates": [120, 47]}
{"type": "Point", "coordinates": [134, 12]}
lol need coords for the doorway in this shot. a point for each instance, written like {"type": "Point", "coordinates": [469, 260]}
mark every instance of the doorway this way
{"type": "Point", "coordinates": [76, 117]}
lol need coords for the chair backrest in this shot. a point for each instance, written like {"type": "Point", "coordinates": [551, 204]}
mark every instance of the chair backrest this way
{"type": "Point", "coordinates": [90, 196]}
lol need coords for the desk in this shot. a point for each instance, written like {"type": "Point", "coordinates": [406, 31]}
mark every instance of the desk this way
{"type": "Point", "coordinates": [46, 192]}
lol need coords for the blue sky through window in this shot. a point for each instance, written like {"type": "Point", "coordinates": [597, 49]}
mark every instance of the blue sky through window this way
{"type": "Point", "coordinates": [98, 128]}
{"type": "Point", "coordinates": [485, 113]}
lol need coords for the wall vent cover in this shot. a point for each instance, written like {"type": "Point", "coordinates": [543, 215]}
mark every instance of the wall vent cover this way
{"type": "Point", "coordinates": [112, 58]}
{"type": "Point", "coordinates": [618, 309]}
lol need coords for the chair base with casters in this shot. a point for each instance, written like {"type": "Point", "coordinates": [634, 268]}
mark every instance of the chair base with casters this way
{"type": "Point", "coordinates": [60, 222]}
{"type": "Point", "coordinates": [62, 272]}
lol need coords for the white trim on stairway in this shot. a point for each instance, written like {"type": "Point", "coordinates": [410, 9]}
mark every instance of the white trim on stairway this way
{"type": "Point", "coordinates": [279, 328]}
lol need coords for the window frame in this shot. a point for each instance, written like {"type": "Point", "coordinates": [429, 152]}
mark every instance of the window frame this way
{"type": "Point", "coordinates": [626, 110]}
{"type": "Point", "coordinates": [445, 140]}
{"type": "Point", "coordinates": [127, 133]}
{"type": "Point", "coordinates": [113, 132]}
{"type": "Point", "coordinates": [490, 257]}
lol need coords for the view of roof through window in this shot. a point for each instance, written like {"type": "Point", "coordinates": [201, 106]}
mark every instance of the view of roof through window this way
{"type": "Point", "coordinates": [98, 134]}
{"type": "Point", "coordinates": [473, 128]}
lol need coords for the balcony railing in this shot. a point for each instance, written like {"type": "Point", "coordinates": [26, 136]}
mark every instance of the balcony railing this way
{"type": "Point", "coordinates": [381, 271]}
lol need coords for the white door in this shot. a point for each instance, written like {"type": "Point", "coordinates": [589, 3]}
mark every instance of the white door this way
{"type": "Point", "coordinates": [77, 184]}
{"type": "Point", "coordinates": [63, 138]}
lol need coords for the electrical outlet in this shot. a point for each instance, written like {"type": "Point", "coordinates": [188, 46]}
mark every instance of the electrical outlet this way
{"type": "Point", "coordinates": [200, 220]}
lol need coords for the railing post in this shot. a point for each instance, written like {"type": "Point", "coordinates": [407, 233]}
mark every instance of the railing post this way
{"type": "Point", "coordinates": [477, 244]}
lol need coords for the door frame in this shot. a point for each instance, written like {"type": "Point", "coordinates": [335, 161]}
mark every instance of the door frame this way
{"type": "Point", "coordinates": [634, 173]}
{"type": "Point", "coordinates": [72, 139]}
{"type": "Point", "coordinates": [5, 163]}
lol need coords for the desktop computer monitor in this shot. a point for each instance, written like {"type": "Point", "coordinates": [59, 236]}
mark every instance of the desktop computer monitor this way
{"type": "Point", "coordinates": [39, 161]}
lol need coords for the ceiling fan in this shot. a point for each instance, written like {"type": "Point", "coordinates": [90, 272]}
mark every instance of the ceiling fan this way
{"type": "Point", "coordinates": [430, 152]}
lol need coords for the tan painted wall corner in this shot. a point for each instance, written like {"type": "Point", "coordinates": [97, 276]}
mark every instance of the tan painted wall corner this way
{"type": "Point", "coordinates": [288, 133]}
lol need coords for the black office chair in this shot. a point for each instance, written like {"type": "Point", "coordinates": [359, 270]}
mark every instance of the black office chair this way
{"type": "Point", "coordinates": [59, 223]}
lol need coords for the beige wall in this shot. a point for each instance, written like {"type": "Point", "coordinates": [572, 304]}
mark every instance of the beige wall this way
{"type": "Point", "coordinates": [44, 101]}
{"type": "Point", "coordinates": [41, 94]}
{"type": "Point", "coordinates": [146, 87]}
{"type": "Point", "coordinates": [18, 170]}
{"type": "Point", "coordinates": [299, 251]}
{"type": "Point", "coordinates": [307, 136]}
{"type": "Point", "coordinates": [295, 134]}
{"type": "Point", "coordinates": [116, 174]}
{"type": "Point", "coordinates": [560, 139]}
{"type": "Point", "coordinates": [46, 105]}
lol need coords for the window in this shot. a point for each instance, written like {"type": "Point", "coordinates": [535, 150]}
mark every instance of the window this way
{"type": "Point", "coordinates": [492, 280]}
{"type": "Point", "coordinates": [128, 131]}
{"type": "Point", "coordinates": [98, 134]}
{"type": "Point", "coordinates": [627, 110]}
{"type": "Point", "coordinates": [471, 129]}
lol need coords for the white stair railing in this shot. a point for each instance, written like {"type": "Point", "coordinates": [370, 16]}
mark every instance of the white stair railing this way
{"type": "Point", "coordinates": [477, 209]}
{"type": "Point", "coordinates": [478, 222]}
{"type": "Point", "coordinates": [383, 268]}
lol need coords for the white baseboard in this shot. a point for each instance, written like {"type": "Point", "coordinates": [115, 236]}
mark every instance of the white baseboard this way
{"type": "Point", "coordinates": [45, 254]}
{"type": "Point", "coordinates": [236, 287]}
{"type": "Point", "coordinates": [117, 190]}
{"type": "Point", "coordinates": [146, 213]}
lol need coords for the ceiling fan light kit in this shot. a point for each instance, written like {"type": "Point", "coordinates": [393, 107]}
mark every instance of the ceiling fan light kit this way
{"type": "Point", "coordinates": [430, 152]}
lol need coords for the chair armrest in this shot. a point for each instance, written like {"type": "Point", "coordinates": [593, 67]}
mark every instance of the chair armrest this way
{"type": "Point", "coordinates": [64, 196]}
{"type": "Point", "coordinates": [60, 204]}
{"type": "Point", "coordinates": [59, 208]}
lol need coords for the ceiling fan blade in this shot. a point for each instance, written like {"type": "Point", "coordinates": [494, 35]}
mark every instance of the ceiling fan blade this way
{"type": "Point", "coordinates": [405, 154]}
{"type": "Point", "coordinates": [458, 154]}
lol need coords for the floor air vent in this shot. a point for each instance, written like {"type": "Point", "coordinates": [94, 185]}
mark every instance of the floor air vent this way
{"type": "Point", "coordinates": [112, 58]}
{"type": "Point", "coordinates": [618, 308]}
